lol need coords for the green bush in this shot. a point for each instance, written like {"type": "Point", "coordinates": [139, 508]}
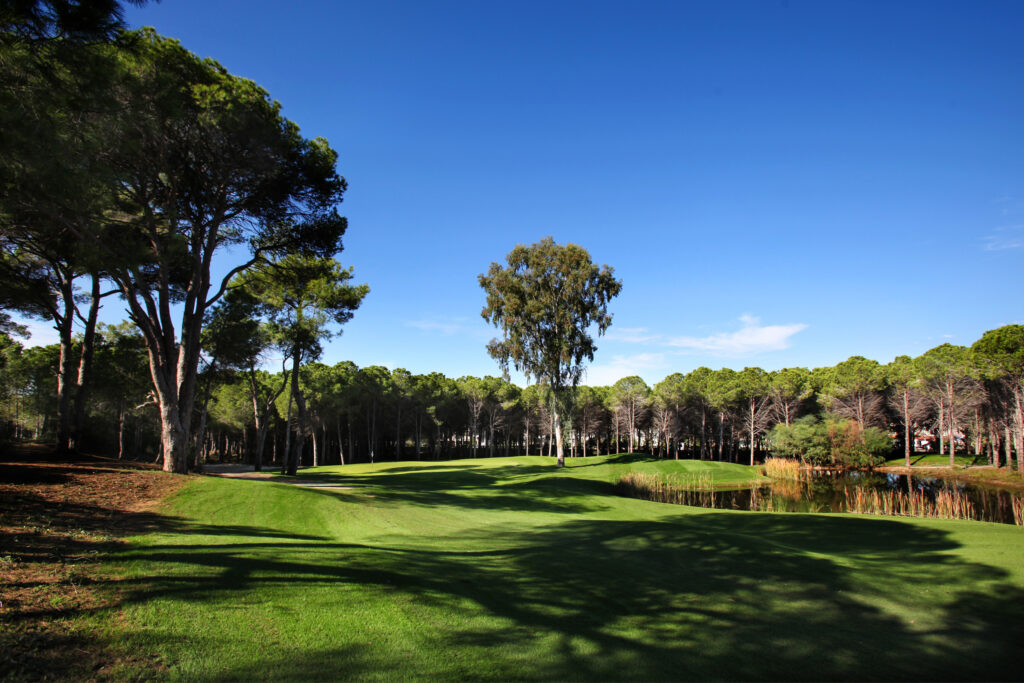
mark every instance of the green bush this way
{"type": "Point", "coordinates": [831, 442]}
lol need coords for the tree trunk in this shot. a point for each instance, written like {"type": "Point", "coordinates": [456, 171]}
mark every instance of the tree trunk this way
{"type": "Point", "coordinates": [703, 433]}
{"type": "Point", "coordinates": [85, 364]}
{"type": "Point", "coordinates": [721, 434]}
{"type": "Point", "coordinates": [64, 382]}
{"type": "Point", "coordinates": [952, 426]}
{"type": "Point", "coordinates": [348, 424]}
{"type": "Point", "coordinates": [942, 427]}
{"type": "Point", "coordinates": [398, 433]}
{"type": "Point", "coordinates": [286, 458]}
{"type": "Point", "coordinates": [341, 447]}
{"type": "Point", "coordinates": [318, 446]}
{"type": "Point", "coordinates": [173, 439]}
{"type": "Point", "coordinates": [753, 426]}
{"type": "Point", "coordinates": [120, 430]}
{"type": "Point", "coordinates": [419, 432]}
{"type": "Point", "coordinates": [558, 438]}
{"type": "Point", "coordinates": [906, 427]}
{"type": "Point", "coordinates": [300, 405]}
{"type": "Point", "coordinates": [1019, 427]}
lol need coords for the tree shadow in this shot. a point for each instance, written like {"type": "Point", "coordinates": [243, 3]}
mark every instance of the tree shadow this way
{"type": "Point", "coordinates": [713, 595]}
{"type": "Point", "coordinates": [511, 488]}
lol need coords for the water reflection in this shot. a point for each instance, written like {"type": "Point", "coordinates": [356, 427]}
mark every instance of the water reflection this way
{"type": "Point", "coordinates": [883, 493]}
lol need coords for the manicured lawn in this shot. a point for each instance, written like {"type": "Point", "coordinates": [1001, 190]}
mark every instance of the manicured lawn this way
{"type": "Point", "coordinates": [511, 569]}
{"type": "Point", "coordinates": [936, 460]}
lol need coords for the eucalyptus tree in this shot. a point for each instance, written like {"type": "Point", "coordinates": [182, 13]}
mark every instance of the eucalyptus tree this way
{"type": "Point", "coordinates": [231, 338]}
{"type": "Point", "coordinates": [589, 408]}
{"type": "Point", "coordinates": [948, 370]}
{"type": "Point", "coordinates": [632, 396]}
{"type": "Point", "coordinates": [790, 388]}
{"type": "Point", "coordinates": [724, 395]}
{"type": "Point", "coordinates": [663, 421]}
{"type": "Point", "coordinates": [508, 396]}
{"type": "Point", "coordinates": [323, 401]}
{"type": "Point", "coordinates": [1001, 354]}
{"type": "Point", "coordinates": [499, 399]}
{"type": "Point", "coordinates": [40, 272]}
{"type": "Point", "coordinates": [420, 396]}
{"type": "Point", "coordinates": [372, 382]}
{"type": "Point", "coordinates": [303, 297]}
{"type": "Point", "coordinates": [545, 301]}
{"type": "Point", "coordinates": [671, 395]}
{"type": "Point", "coordinates": [10, 353]}
{"type": "Point", "coordinates": [754, 393]}
{"type": "Point", "coordinates": [699, 387]}
{"type": "Point", "coordinates": [532, 402]}
{"type": "Point", "coordinates": [906, 383]}
{"type": "Point", "coordinates": [346, 393]}
{"type": "Point", "coordinates": [475, 392]}
{"type": "Point", "coordinates": [854, 389]}
{"type": "Point", "coordinates": [401, 389]}
{"type": "Point", "coordinates": [121, 362]}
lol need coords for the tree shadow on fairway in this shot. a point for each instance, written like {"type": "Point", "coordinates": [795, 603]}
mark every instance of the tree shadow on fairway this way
{"type": "Point", "coordinates": [512, 487]}
{"type": "Point", "coordinates": [714, 595]}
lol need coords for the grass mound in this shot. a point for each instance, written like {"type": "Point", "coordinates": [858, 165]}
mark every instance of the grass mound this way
{"type": "Point", "coordinates": [509, 568]}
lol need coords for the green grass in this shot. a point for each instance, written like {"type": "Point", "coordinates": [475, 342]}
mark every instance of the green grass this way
{"type": "Point", "coordinates": [511, 569]}
{"type": "Point", "coordinates": [936, 460]}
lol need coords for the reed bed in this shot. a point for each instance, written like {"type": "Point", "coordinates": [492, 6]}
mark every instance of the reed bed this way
{"type": "Point", "coordinates": [948, 503]}
{"type": "Point", "coordinates": [784, 468]}
{"type": "Point", "coordinates": [698, 490]}
{"type": "Point", "coordinates": [678, 490]}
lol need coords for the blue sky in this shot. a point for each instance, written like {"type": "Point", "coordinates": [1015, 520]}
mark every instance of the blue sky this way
{"type": "Point", "coordinates": [776, 183]}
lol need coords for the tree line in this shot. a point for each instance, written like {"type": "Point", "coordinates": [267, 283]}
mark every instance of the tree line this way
{"type": "Point", "coordinates": [968, 399]}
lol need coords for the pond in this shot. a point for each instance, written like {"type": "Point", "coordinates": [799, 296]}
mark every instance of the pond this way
{"type": "Point", "coordinates": [865, 492]}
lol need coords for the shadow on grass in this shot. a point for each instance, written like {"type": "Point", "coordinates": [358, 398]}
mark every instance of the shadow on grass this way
{"type": "Point", "coordinates": [509, 487]}
{"type": "Point", "coordinates": [704, 596]}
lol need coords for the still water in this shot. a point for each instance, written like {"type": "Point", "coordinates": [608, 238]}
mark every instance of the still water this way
{"type": "Point", "coordinates": [833, 492]}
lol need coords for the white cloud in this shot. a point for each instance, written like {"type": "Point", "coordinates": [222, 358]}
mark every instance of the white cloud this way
{"type": "Point", "coordinates": [751, 338]}
{"type": "Point", "coordinates": [1005, 237]}
{"type": "Point", "coordinates": [446, 328]}
{"type": "Point", "coordinates": [623, 366]}
{"type": "Point", "coordinates": [633, 335]}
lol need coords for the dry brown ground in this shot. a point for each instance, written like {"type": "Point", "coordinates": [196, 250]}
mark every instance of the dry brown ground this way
{"type": "Point", "coordinates": [57, 517]}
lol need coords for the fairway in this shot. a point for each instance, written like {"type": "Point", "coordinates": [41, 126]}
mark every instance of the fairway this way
{"type": "Point", "coordinates": [508, 568]}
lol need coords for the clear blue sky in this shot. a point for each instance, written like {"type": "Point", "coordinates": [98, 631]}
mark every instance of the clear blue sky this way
{"type": "Point", "coordinates": [776, 183]}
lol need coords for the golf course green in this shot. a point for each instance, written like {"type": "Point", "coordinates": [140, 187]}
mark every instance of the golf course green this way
{"type": "Point", "coordinates": [513, 569]}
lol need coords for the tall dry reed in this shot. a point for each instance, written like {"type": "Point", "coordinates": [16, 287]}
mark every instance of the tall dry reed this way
{"type": "Point", "coordinates": [784, 468]}
{"type": "Point", "coordinates": [948, 503]}
{"type": "Point", "coordinates": [680, 490]}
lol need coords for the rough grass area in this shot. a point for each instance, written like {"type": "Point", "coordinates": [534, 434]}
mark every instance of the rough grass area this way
{"type": "Point", "coordinates": [56, 519]}
{"type": "Point", "coordinates": [511, 569]}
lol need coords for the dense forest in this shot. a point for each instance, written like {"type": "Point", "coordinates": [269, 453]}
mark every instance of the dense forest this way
{"type": "Point", "coordinates": [951, 399]}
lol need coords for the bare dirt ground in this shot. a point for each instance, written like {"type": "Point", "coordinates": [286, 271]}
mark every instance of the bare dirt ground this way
{"type": "Point", "coordinates": [57, 517]}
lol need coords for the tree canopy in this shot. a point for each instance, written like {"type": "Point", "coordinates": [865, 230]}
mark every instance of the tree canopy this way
{"type": "Point", "coordinates": [545, 302]}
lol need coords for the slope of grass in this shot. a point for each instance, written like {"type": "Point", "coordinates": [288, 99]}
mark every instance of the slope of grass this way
{"type": "Point", "coordinates": [937, 460]}
{"type": "Point", "coordinates": [511, 569]}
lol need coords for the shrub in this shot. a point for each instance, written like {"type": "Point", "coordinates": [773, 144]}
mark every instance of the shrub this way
{"type": "Point", "coordinates": [832, 442]}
